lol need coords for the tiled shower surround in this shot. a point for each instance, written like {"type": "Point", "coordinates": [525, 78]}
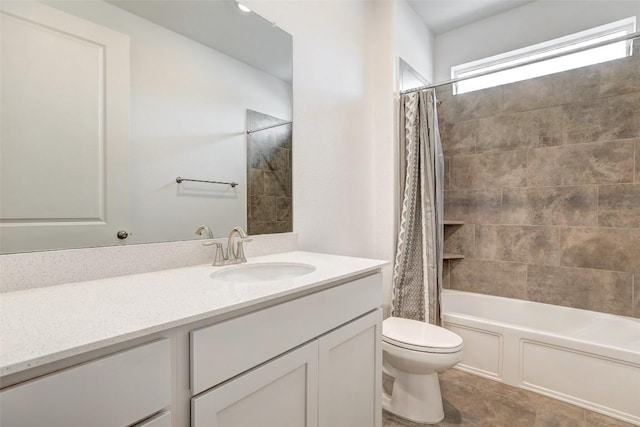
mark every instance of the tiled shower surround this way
{"type": "Point", "coordinates": [545, 173]}
{"type": "Point", "coordinates": [269, 207]}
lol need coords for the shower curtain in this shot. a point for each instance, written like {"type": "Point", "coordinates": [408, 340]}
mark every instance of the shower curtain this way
{"type": "Point", "coordinates": [417, 274]}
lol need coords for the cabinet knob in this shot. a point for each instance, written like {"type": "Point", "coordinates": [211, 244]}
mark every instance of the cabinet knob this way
{"type": "Point", "coordinates": [122, 234]}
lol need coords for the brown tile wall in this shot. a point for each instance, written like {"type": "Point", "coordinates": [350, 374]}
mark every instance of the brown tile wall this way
{"type": "Point", "coordinates": [269, 205]}
{"type": "Point", "coordinates": [546, 175]}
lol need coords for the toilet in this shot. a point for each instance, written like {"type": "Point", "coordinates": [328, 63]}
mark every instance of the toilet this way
{"type": "Point", "coordinates": [413, 353]}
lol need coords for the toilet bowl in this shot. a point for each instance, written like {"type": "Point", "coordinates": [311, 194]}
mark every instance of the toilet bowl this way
{"type": "Point", "coordinates": [413, 353]}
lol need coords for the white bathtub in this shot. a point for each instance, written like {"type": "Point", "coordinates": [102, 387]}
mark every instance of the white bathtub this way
{"type": "Point", "coordinates": [583, 357]}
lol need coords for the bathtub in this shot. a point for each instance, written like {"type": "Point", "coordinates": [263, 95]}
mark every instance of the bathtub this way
{"type": "Point", "coordinates": [582, 357]}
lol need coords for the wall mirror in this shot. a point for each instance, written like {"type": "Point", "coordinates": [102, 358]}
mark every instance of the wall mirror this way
{"type": "Point", "coordinates": [105, 103]}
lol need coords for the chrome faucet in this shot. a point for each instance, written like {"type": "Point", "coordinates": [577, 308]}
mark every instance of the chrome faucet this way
{"type": "Point", "coordinates": [235, 255]}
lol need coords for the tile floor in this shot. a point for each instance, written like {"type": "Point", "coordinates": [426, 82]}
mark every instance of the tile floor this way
{"type": "Point", "coordinates": [473, 401]}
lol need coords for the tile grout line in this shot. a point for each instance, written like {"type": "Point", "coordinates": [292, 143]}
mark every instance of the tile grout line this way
{"type": "Point", "coordinates": [526, 170]}
{"type": "Point", "coordinates": [604, 270]}
{"type": "Point", "coordinates": [475, 251]}
{"type": "Point", "coordinates": [584, 184]}
{"type": "Point", "coordinates": [560, 254]}
{"type": "Point", "coordinates": [635, 157]}
{"type": "Point", "coordinates": [596, 227]}
{"type": "Point", "coordinates": [634, 306]}
{"type": "Point", "coordinates": [598, 206]}
{"type": "Point", "coordinates": [559, 146]}
{"type": "Point", "coordinates": [562, 124]}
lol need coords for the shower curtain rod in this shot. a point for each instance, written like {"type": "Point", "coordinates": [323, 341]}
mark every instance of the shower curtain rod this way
{"type": "Point", "coordinates": [531, 61]}
{"type": "Point", "coordinates": [268, 127]}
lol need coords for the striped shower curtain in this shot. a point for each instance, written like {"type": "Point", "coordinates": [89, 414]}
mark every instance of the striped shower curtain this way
{"type": "Point", "coordinates": [417, 274]}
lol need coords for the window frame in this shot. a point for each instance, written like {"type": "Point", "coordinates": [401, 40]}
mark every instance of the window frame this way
{"type": "Point", "coordinates": [548, 47]}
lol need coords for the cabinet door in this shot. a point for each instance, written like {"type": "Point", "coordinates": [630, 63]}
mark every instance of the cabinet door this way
{"type": "Point", "coordinates": [280, 393]}
{"type": "Point", "coordinates": [161, 420]}
{"type": "Point", "coordinates": [350, 374]}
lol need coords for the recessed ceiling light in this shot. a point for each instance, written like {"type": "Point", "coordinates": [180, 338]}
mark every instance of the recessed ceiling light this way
{"type": "Point", "coordinates": [243, 8]}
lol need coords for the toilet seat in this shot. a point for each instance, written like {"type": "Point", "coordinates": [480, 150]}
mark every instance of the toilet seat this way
{"type": "Point", "coordinates": [419, 336]}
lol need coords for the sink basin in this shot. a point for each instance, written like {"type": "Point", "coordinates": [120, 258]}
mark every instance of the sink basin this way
{"type": "Point", "coordinates": [262, 272]}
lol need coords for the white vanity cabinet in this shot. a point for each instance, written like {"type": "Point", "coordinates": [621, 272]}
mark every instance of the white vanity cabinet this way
{"type": "Point", "coordinates": [304, 358]}
{"type": "Point", "coordinates": [313, 361]}
{"type": "Point", "coordinates": [331, 381]}
{"type": "Point", "coordinates": [117, 390]}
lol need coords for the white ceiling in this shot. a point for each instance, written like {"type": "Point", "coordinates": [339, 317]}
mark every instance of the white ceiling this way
{"type": "Point", "coordinates": [222, 26]}
{"type": "Point", "coordinates": [445, 15]}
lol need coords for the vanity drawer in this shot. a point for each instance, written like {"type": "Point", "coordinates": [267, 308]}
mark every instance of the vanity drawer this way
{"type": "Point", "coordinates": [116, 390]}
{"type": "Point", "coordinates": [226, 349]}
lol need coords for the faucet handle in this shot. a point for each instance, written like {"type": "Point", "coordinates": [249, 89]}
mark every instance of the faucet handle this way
{"type": "Point", "coordinates": [240, 257]}
{"type": "Point", "coordinates": [219, 258]}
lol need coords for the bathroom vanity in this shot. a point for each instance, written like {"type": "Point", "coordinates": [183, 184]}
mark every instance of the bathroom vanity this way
{"type": "Point", "coordinates": [193, 346]}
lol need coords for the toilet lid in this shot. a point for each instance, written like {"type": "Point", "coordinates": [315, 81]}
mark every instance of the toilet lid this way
{"type": "Point", "coordinates": [420, 336]}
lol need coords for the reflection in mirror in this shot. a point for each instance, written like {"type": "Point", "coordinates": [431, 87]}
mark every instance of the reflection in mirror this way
{"type": "Point", "coordinates": [410, 78]}
{"type": "Point", "coordinates": [104, 104]}
{"type": "Point", "coordinates": [269, 177]}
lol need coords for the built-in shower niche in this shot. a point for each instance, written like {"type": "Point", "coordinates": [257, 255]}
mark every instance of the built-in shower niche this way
{"type": "Point", "coordinates": [269, 201]}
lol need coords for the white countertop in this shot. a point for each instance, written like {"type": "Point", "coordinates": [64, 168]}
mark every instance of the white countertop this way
{"type": "Point", "coordinates": [44, 325]}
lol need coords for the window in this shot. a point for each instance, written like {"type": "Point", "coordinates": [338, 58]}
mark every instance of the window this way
{"type": "Point", "coordinates": [542, 50]}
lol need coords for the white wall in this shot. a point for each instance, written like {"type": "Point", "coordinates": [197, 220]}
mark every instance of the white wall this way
{"type": "Point", "coordinates": [188, 117]}
{"type": "Point", "coordinates": [383, 99]}
{"type": "Point", "coordinates": [413, 41]}
{"type": "Point", "coordinates": [333, 189]}
{"type": "Point", "coordinates": [532, 23]}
